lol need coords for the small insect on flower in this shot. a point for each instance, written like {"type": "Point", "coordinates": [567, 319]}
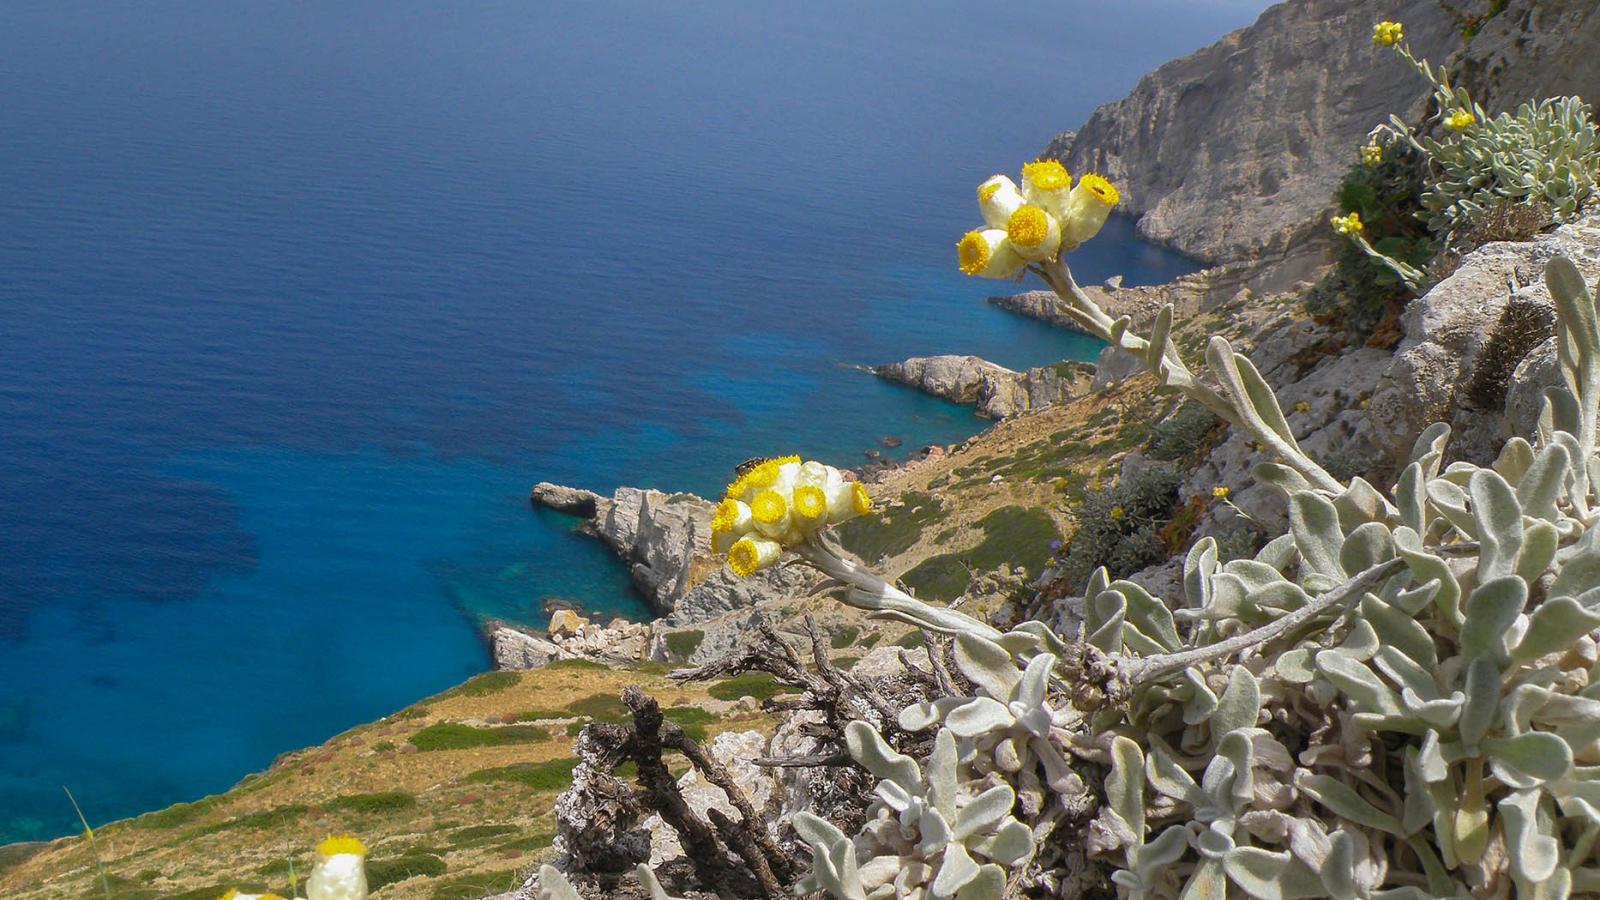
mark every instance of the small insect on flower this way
{"type": "Point", "coordinates": [1387, 34]}
{"type": "Point", "coordinates": [1372, 154]}
{"type": "Point", "coordinates": [1092, 201]}
{"type": "Point", "coordinates": [1220, 492]}
{"type": "Point", "coordinates": [1460, 120]}
{"type": "Point", "coordinates": [1350, 224]}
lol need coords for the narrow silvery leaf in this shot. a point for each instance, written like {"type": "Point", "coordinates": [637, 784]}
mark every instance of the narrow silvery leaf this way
{"type": "Point", "coordinates": [1514, 461]}
{"type": "Point", "coordinates": [814, 829]}
{"type": "Point", "coordinates": [1279, 553]}
{"type": "Point", "coordinates": [1400, 631]}
{"type": "Point", "coordinates": [988, 884]}
{"type": "Point", "coordinates": [1240, 703]}
{"type": "Point", "coordinates": [1271, 876]}
{"type": "Point", "coordinates": [1208, 882]}
{"type": "Point", "coordinates": [1250, 393]}
{"type": "Point", "coordinates": [1418, 808]}
{"type": "Point", "coordinates": [1451, 502]}
{"type": "Point", "coordinates": [1011, 844]}
{"type": "Point", "coordinates": [1540, 542]}
{"type": "Point", "coordinates": [1581, 571]}
{"type": "Point", "coordinates": [1237, 789]}
{"type": "Point", "coordinates": [1428, 451]}
{"type": "Point", "coordinates": [648, 879]}
{"type": "Point", "coordinates": [1491, 610]}
{"type": "Point", "coordinates": [1499, 522]}
{"type": "Point", "coordinates": [1315, 524]}
{"type": "Point", "coordinates": [1365, 547]}
{"type": "Point", "coordinates": [1529, 759]}
{"type": "Point", "coordinates": [1545, 482]}
{"type": "Point", "coordinates": [1343, 800]}
{"type": "Point", "coordinates": [1426, 567]}
{"type": "Point", "coordinates": [876, 756]}
{"type": "Point", "coordinates": [1149, 615]}
{"type": "Point", "coordinates": [1201, 702]}
{"type": "Point", "coordinates": [1295, 666]}
{"type": "Point", "coordinates": [1112, 609]}
{"type": "Point", "coordinates": [943, 779]}
{"type": "Point", "coordinates": [1198, 567]}
{"type": "Point", "coordinates": [984, 812]}
{"type": "Point", "coordinates": [987, 665]}
{"type": "Point", "coordinates": [1339, 869]}
{"type": "Point", "coordinates": [977, 716]}
{"type": "Point", "coordinates": [1169, 778]}
{"type": "Point", "coordinates": [955, 871]}
{"type": "Point", "coordinates": [1482, 687]}
{"type": "Point", "coordinates": [1534, 855]}
{"type": "Point", "coordinates": [1035, 680]}
{"type": "Point", "coordinates": [1411, 499]}
{"type": "Point", "coordinates": [1555, 625]}
{"type": "Point", "coordinates": [1361, 643]}
{"type": "Point", "coordinates": [1369, 692]}
{"type": "Point", "coordinates": [1160, 331]}
{"type": "Point", "coordinates": [1281, 477]}
{"type": "Point", "coordinates": [1125, 785]}
{"type": "Point", "coordinates": [554, 886]}
{"type": "Point", "coordinates": [1406, 672]}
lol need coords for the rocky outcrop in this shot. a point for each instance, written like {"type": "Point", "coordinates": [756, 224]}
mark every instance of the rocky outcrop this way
{"type": "Point", "coordinates": [665, 539]}
{"type": "Point", "coordinates": [569, 637]}
{"type": "Point", "coordinates": [996, 391]}
{"type": "Point", "coordinates": [1229, 152]}
{"type": "Point", "coordinates": [1535, 49]}
{"type": "Point", "coordinates": [1477, 351]}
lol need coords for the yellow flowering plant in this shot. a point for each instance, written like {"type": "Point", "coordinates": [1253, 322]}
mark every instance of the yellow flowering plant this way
{"type": "Point", "coordinates": [1035, 222]}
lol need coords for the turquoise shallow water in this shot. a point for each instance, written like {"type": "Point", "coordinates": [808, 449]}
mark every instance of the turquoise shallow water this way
{"type": "Point", "coordinates": [296, 301]}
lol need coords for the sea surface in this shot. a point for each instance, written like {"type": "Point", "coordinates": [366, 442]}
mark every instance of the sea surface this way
{"type": "Point", "coordinates": [297, 299]}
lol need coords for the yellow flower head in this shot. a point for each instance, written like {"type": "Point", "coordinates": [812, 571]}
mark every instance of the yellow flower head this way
{"type": "Point", "coordinates": [1387, 34]}
{"type": "Point", "coordinates": [998, 198]}
{"type": "Point", "coordinates": [810, 503]}
{"type": "Point", "coordinates": [336, 844]}
{"type": "Point", "coordinates": [1350, 224]}
{"type": "Point", "coordinates": [768, 507]}
{"type": "Point", "coordinates": [726, 515]}
{"type": "Point", "coordinates": [1118, 512]}
{"type": "Point", "coordinates": [1460, 120]}
{"type": "Point", "coordinates": [860, 500]}
{"type": "Point", "coordinates": [1372, 154]}
{"type": "Point", "coordinates": [1091, 202]}
{"type": "Point", "coordinates": [986, 253]}
{"type": "Point", "coordinates": [1047, 175]}
{"type": "Point", "coordinates": [1034, 233]}
{"type": "Point", "coordinates": [750, 555]}
{"type": "Point", "coordinates": [1302, 406]}
{"type": "Point", "coordinates": [1220, 492]}
{"type": "Point", "coordinates": [1100, 188]}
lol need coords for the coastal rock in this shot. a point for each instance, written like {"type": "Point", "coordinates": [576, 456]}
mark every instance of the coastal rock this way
{"type": "Point", "coordinates": [996, 391]}
{"type": "Point", "coordinates": [514, 650]}
{"type": "Point", "coordinates": [1475, 352]}
{"type": "Point", "coordinates": [570, 500]}
{"type": "Point", "coordinates": [565, 623]}
{"type": "Point", "coordinates": [1234, 150]}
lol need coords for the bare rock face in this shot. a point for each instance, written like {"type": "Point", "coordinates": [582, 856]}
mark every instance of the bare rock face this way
{"type": "Point", "coordinates": [514, 650]}
{"type": "Point", "coordinates": [1477, 352]}
{"type": "Point", "coordinates": [996, 391]}
{"type": "Point", "coordinates": [1232, 150]}
{"type": "Point", "coordinates": [1535, 48]}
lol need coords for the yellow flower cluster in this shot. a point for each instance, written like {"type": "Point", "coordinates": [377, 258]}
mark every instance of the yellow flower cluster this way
{"type": "Point", "coordinates": [1372, 154]}
{"type": "Point", "coordinates": [1036, 221]}
{"type": "Point", "coordinates": [1350, 224]}
{"type": "Point", "coordinates": [1387, 34]}
{"type": "Point", "coordinates": [1460, 120]}
{"type": "Point", "coordinates": [340, 873]}
{"type": "Point", "coordinates": [1220, 492]}
{"type": "Point", "coordinates": [777, 504]}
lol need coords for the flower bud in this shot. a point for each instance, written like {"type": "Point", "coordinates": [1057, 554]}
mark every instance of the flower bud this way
{"type": "Point", "coordinates": [1034, 233]}
{"type": "Point", "coordinates": [340, 870]}
{"type": "Point", "coordinates": [985, 253]}
{"type": "Point", "coordinates": [769, 513]}
{"type": "Point", "coordinates": [1047, 185]}
{"type": "Point", "coordinates": [998, 198]}
{"type": "Point", "coordinates": [1092, 201]}
{"type": "Point", "coordinates": [750, 555]}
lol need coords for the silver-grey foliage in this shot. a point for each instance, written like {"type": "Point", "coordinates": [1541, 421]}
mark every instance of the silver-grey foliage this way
{"type": "Point", "coordinates": [1398, 698]}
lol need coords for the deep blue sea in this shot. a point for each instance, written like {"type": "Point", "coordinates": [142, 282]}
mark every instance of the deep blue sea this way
{"type": "Point", "coordinates": [298, 298]}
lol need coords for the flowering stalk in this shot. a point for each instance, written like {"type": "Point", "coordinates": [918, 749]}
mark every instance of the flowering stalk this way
{"type": "Point", "coordinates": [870, 592]}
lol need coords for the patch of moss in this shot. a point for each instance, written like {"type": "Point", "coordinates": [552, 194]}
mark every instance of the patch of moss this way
{"type": "Point", "coordinates": [844, 637]}
{"type": "Point", "coordinates": [477, 834]}
{"type": "Point", "coordinates": [759, 685]}
{"type": "Point", "coordinates": [692, 719]}
{"type": "Point", "coordinates": [563, 665]}
{"type": "Point", "coordinates": [176, 814]}
{"type": "Point", "coordinates": [471, 887]}
{"type": "Point", "coordinates": [871, 640]}
{"type": "Point", "coordinates": [410, 865]}
{"type": "Point", "coordinates": [456, 736]}
{"type": "Point", "coordinates": [552, 775]}
{"type": "Point", "coordinates": [484, 684]}
{"type": "Point", "coordinates": [683, 644]}
{"type": "Point", "coordinates": [911, 640]}
{"type": "Point", "coordinates": [1013, 535]}
{"type": "Point", "coordinates": [600, 707]}
{"type": "Point", "coordinates": [367, 804]}
{"type": "Point", "coordinates": [266, 818]}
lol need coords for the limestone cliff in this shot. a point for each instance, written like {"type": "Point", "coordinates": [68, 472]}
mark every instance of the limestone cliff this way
{"type": "Point", "coordinates": [1229, 152]}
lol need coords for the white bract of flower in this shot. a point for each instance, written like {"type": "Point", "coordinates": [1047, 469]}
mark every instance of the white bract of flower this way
{"type": "Point", "coordinates": [778, 504]}
{"type": "Point", "coordinates": [1035, 222]}
{"type": "Point", "coordinates": [340, 871]}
